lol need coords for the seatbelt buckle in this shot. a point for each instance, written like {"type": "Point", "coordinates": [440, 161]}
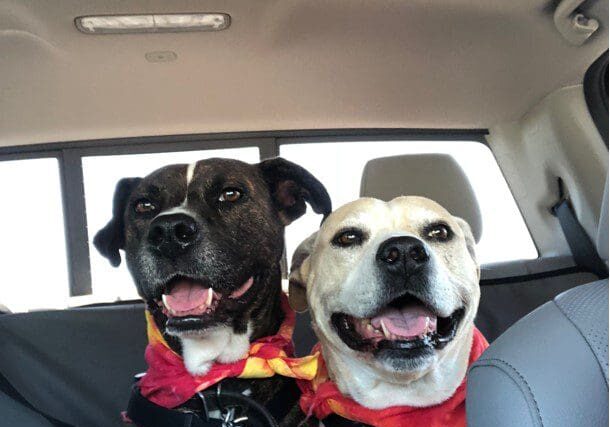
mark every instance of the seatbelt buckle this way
{"type": "Point", "coordinates": [553, 209]}
{"type": "Point", "coordinates": [563, 198]}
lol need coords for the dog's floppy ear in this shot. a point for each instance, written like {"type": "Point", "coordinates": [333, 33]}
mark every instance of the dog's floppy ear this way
{"type": "Point", "coordinates": [470, 242]}
{"type": "Point", "coordinates": [299, 274]}
{"type": "Point", "coordinates": [111, 238]}
{"type": "Point", "coordinates": [291, 186]}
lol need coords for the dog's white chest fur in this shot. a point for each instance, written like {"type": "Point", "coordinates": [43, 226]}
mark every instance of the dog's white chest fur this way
{"type": "Point", "coordinates": [220, 344]}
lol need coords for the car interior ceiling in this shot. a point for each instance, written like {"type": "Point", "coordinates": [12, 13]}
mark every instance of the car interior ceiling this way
{"type": "Point", "coordinates": [553, 112]}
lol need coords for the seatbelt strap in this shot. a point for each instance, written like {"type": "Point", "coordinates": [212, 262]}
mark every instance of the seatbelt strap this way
{"type": "Point", "coordinates": [7, 388]}
{"type": "Point", "coordinates": [583, 251]}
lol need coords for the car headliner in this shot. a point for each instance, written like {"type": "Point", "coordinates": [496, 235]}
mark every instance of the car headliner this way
{"type": "Point", "coordinates": [283, 65]}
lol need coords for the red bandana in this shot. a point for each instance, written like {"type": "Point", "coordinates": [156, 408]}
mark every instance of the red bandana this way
{"type": "Point", "coordinates": [167, 382]}
{"type": "Point", "coordinates": [321, 397]}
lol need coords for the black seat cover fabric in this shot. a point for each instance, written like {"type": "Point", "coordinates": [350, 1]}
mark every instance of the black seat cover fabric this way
{"type": "Point", "coordinates": [78, 365]}
{"type": "Point", "coordinates": [75, 365]}
{"type": "Point", "coordinates": [15, 414]}
{"type": "Point", "coordinates": [303, 337]}
{"type": "Point", "coordinates": [503, 305]}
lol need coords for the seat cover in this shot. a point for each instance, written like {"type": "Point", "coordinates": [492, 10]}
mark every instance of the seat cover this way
{"type": "Point", "coordinates": [15, 414]}
{"type": "Point", "coordinates": [75, 365]}
{"type": "Point", "coordinates": [550, 369]}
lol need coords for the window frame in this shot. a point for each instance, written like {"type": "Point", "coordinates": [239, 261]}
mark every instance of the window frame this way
{"type": "Point", "coordinates": [69, 157]}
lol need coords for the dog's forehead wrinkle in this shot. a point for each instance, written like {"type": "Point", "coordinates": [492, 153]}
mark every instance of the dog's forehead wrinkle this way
{"type": "Point", "coordinates": [165, 185]}
{"type": "Point", "coordinates": [151, 188]}
{"type": "Point", "coordinates": [417, 202]}
{"type": "Point", "coordinates": [418, 211]}
{"type": "Point", "coordinates": [360, 213]}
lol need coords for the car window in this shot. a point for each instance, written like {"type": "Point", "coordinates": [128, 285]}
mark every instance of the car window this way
{"type": "Point", "coordinates": [35, 188]}
{"type": "Point", "coordinates": [34, 271]}
{"type": "Point", "coordinates": [339, 166]}
{"type": "Point", "coordinates": [101, 173]}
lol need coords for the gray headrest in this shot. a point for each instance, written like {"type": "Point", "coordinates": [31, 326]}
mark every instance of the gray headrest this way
{"type": "Point", "coordinates": [602, 230]}
{"type": "Point", "coordinates": [435, 176]}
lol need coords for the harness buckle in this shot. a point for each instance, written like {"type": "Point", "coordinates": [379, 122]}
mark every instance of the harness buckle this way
{"type": "Point", "coordinates": [229, 419]}
{"type": "Point", "coordinates": [227, 413]}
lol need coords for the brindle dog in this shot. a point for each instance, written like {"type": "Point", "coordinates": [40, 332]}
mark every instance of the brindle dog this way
{"type": "Point", "coordinates": [203, 243]}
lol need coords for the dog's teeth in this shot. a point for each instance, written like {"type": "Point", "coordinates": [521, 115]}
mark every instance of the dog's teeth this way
{"type": "Point", "coordinates": [385, 330]}
{"type": "Point", "coordinates": [210, 295]}
{"type": "Point", "coordinates": [164, 299]}
{"type": "Point", "coordinates": [427, 329]}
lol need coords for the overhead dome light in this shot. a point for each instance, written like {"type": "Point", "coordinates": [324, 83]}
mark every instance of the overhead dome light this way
{"type": "Point", "coordinates": [124, 24]}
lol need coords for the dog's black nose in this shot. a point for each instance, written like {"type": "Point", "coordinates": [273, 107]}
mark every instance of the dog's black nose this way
{"type": "Point", "coordinates": [172, 234]}
{"type": "Point", "coordinates": [400, 255]}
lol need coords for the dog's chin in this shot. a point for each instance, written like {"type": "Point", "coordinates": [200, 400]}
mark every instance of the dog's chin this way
{"type": "Point", "coordinates": [193, 307]}
{"type": "Point", "coordinates": [404, 335]}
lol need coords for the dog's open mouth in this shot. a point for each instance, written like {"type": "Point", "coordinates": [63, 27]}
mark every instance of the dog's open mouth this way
{"type": "Point", "coordinates": [188, 300]}
{"type": "Point", "coordinates": [404, 324]}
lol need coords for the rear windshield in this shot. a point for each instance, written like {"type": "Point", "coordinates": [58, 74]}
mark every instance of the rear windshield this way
{"type": "Point", "coordinates": [499, 211]}
{"type": "Point", "coordinates": [35, 268]}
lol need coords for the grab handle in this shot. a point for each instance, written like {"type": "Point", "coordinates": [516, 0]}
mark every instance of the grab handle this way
{"type": "Point", "coordinates": [576, 28]}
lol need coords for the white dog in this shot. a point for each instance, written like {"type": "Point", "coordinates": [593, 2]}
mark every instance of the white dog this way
{"type": "Point", "coordinates": [393, 291]}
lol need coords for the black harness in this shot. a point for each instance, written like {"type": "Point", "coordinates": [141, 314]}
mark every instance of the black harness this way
{"type": "Point", "coordinates": [214, 407]}
{"type": "Point", "coordinates": [334, 420]}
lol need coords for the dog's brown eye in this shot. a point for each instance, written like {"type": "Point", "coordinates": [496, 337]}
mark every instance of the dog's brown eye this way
{"type": "Point", "coordinates": [230, 195]}
{"type": "Point", "coordinates": [440, 232]}
{"type": "Point", "coordinates": [143, 206]}
{"type": "Point", "coordinates": [348, 238]}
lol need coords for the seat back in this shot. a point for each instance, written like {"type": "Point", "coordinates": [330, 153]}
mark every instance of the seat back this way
{"type": "Point", "coordinates": [435, 176]}
{"type": "Point", "coordinates": [16, 414]}
{"type": "Point", "coordinates": [550, 368]}
{"type": "Point", "coordinates": [74, 365]}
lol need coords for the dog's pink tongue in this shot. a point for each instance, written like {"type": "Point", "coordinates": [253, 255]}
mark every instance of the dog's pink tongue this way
{"type": "Point", "coordinates": [407, 322]}
{"type": "Point", "coordinates": [186, 296]}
